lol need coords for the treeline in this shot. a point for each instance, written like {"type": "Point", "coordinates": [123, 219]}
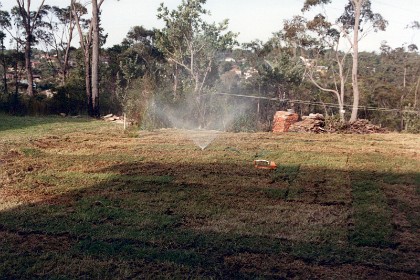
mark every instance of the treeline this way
{"type": "Point", "coordinates": [197, 71]}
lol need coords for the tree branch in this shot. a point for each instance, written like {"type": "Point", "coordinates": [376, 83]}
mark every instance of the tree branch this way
{"type": "Point", "coordinates": [36, 16]}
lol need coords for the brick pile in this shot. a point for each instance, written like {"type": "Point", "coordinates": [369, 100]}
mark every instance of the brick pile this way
{"type": "Point", "coordinates": [283, 120]}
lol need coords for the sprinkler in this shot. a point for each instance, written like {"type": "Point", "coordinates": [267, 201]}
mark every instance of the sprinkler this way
{"type": "Point", "coordinates": [264, 164]}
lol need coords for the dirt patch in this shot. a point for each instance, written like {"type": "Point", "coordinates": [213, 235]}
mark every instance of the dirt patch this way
{"type": "Point", "coordinates": [405, 205]}
{"type": "Point", "coordinates": [35, 242]}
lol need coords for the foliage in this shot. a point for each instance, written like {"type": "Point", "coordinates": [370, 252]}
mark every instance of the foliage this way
{"type": "Point", "coordinates": [189, 62]}
{"type": "Point", "coordinates": [411, 120]}
{"type": "Point", "coordinates": [138, 98]}
{"type": "Point", "coordinates": [191, 43]}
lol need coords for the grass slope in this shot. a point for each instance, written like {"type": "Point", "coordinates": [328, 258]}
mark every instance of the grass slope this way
{"type": "Point", "coordinates": [82, 199]}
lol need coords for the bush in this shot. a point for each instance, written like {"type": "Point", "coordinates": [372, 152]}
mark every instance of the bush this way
{"type": "Point", "coordinates": [137, 98]}
{"type": "Point", "coordinates": [411, 120]}
{"type": "Point", "coordinates": [69, 99]}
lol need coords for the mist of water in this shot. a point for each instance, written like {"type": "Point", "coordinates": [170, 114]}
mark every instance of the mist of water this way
{"type": "Point", "coordinates": [201, 132]}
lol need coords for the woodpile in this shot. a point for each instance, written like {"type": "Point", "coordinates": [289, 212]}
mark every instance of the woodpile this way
{"type": "Point", "coordinates": [111, 118]}
{"type": "Point", "coordinates": [360, 126]}
{"type": "Point", "coordinates": [313, 123]}
{"type": "Point", "coordinates": [283, 120]}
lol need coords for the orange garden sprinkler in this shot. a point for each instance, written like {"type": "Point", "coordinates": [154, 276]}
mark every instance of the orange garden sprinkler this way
{"type": "Point", "coordinates": [264, 164]}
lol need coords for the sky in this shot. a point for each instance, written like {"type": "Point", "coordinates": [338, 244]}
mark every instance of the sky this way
{"type": "Point", "coordinates": [252, 19]}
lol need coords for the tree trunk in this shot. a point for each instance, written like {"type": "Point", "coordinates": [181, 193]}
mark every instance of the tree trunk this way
{"type": "Point", "coordinates": [16, 76]}
{"type": "Point", "coordinates": [85, 46]}
{"type": "Point", "coordinates": [29, 29]}
{"type": "Point", "coordinates": [67, 51]}
{"type": "Point", "coordinates": [354, 75]}
{"type": "Point", "coordinates": [28, 66]}
{"type": "Point", "coordinates": [65, 65]}
{"type": "Point", "coordinates": [175, 86]}
{"type": "Point", "coordinates": [95, 59]}
{"type": "Point", "coordinates": [415, 93]}
{"type": "Point", "coordinates": [4, 68]}
{"type": "Point", "coordinates": [342, 89]}
{"type": "Point", "coordinates": [87, 82]}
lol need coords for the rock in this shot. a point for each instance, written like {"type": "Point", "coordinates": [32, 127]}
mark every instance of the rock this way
{"type": "Point", "coordinates": [63, 115]}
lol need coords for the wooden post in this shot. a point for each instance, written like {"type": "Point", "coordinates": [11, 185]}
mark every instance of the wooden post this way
{"type": "Point", "coordinates": [125, 123]}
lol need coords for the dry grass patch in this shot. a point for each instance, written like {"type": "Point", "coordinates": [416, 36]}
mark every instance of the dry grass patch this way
{"type": "Point", "coordinates": [152, 204]}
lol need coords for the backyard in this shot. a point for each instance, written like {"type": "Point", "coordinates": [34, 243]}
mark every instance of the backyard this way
{"type": "Point", "coordinates": [83, 198]}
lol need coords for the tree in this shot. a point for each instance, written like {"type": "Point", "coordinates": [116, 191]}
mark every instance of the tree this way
{"type": "Point", "coordinates": [415, 25]}
{"type": "Point", "coordinates": [90, 43]}
{"type": "Point", "coordinates": [357, 20]}
{"type": "Point", "coordinates": [137, 35]}
{"type": "Point", "coordinates": [3, 61]}
{"type": "Point", "coordinates": [62, 29]}
{"type": "Point", "coordinates": [191, 43]}
{"type": "Point", "coordinates": [295, 34]}
{"type": "Point", "coordinates": [95, 56]}
{"type": "Point", "coordinates": [332, 75]}
{"type": "Point", "coordinates": [85, 40]}
{"type": "Point", "coordinates": [4, 23]}
{"type": "Point", "coordinates": [32, 23]}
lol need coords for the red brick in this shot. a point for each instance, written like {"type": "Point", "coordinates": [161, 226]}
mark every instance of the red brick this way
{"type": "Point", "coordinates": [283, 120]}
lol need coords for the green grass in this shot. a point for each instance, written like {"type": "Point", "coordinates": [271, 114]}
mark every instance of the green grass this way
{"type": "Point", "coordinates": [82, 199]}
{"type": "Point", "coordinates": [372, 217]}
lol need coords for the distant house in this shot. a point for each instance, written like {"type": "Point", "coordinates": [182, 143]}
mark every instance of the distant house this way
{"type": "Point", "coordinates": [35, 64]}
{"type": "Point", "coordinates": [250, 72]}
{"type": "Point", "coordinates": [230, 59]}
{"type": "Point", "coordinates": [308, 62]}
{"type": "Point", "coordinates": [321, 69]}
{"type": "Point", "coordinates": [10, 75]}
{"type": "Point", "coordinates": [48, 93]}
{"type": "Point", "coordinates": [37, 78]}
{"type": "Point", "coordinates": [312, 63]}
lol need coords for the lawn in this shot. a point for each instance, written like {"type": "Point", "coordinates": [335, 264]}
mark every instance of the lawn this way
{"type": "Point", "coordinates": [84, 199]}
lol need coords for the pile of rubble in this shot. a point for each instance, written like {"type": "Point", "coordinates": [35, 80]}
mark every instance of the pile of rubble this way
{"type": "Point", "coordinates": [316, 123]}
{"type": "Point", "coordinates": [360, 126]}
{"type": "Point", "coordinates": [313, 123]}
{"type": "Point", "coordinates": [112, 118]}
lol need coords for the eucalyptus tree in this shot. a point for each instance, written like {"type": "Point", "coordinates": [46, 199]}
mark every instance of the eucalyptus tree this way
{"type": "Point", "coordinates": [3, 61]}
{"type": "Point", "coordinates": [190, 43]}
{"type": "Point", "coordinates": [191, 46]}
{"type": "Point", "coordinates": [62, 33]}
{"type": "Point", "coordinates": [4, 23]}
{"type": "Point", "coordinates": [32, 22]}
{"type": "Point", "coordinates": [4, 19]}
{"type": "Point", "coordinates": [138, 56]}
{"type": "Point", "coordinates": [295, 35]}
{"type": "Point", "coordinates": [90, 40]}
{"type": "Point", "coordinates": [96, 6]}
{"type": "Point", "coordinates": [354, 24]}
{"type": "Point", "coordinates": [84, 29]}
{"type": "Point", "coordinates": [328, 71]}
{"type": "Point", "coordinates": [139, 35]}
{"type": "Point", "coordinates": [415, 25]}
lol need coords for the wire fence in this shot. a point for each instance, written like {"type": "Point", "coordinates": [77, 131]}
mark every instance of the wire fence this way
{"type": "Point", "coordinates": [331, 105]}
